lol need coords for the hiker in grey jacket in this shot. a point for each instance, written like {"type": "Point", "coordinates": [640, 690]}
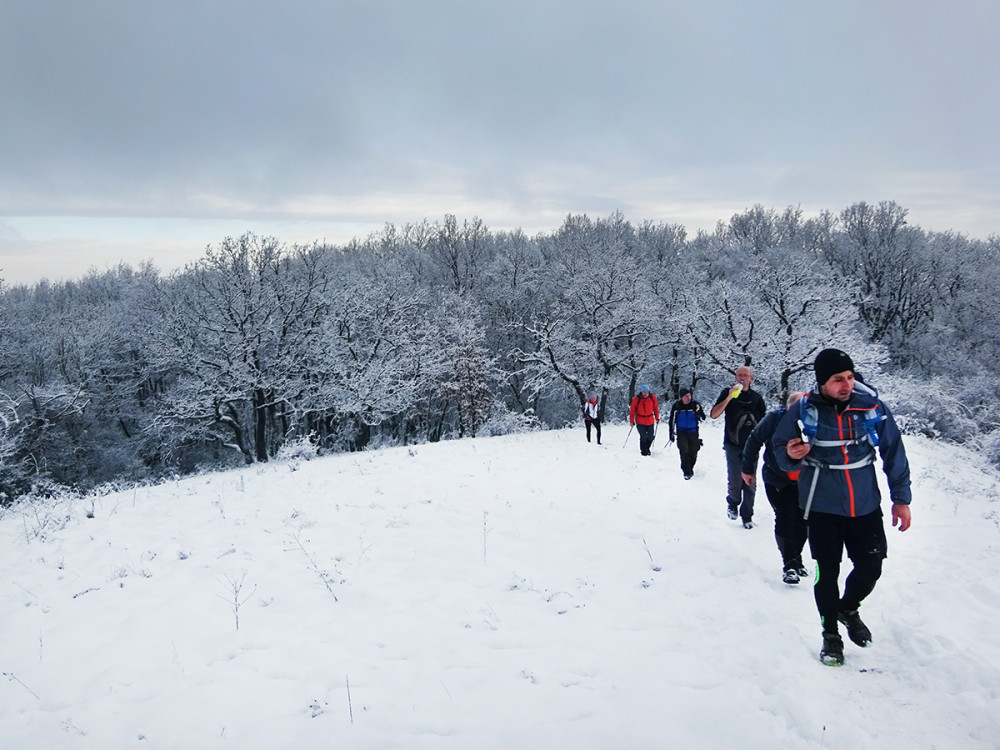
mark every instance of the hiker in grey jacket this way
{"type": "Point", "coordinates": [831, 438]}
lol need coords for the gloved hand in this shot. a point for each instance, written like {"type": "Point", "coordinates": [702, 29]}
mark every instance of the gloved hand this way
{"type": "Point", "coordinates": [670, 441]}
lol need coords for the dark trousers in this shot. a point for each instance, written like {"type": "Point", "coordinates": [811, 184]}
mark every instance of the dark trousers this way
{"type": "Point", "coordinates": [864, 539]}
{"type": "Point", "coordinates": [688, 445]}
{"type": "Point", "coordinates": [597, 426]}
{"type": "Point", "coordinates": [739, 494]}
{"type": "Point", "coordinates": [646, 434]}
{"type": "Point", "coordinates": [790, 529]}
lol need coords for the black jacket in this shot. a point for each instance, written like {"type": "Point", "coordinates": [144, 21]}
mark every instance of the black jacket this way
{"type": "Point", "coordinates": [742, 415]}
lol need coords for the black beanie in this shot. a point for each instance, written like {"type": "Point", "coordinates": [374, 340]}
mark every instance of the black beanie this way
{"type": "Point", "coordinates": [829, 362]}
{"type": "Point", "coordinates": [685, 391]}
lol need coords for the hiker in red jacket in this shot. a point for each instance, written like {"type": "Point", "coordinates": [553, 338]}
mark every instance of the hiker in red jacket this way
{"type": "Point", "coordinates": [644, 414]}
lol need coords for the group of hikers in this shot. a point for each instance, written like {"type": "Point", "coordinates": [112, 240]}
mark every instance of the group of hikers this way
{"type": "Point", "coordinates": [820, 450]}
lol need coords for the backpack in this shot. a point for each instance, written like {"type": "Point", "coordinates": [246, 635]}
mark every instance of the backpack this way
{"type": "Point", "coordinates": [809, 424]}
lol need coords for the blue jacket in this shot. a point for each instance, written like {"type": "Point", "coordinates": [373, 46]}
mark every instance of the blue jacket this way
{"type": "Point", "coordinates": [685, 417]}
{"type": "Point", "coordinates": [761, 436]}
{"type": "Point", "coordinates": [845, 491]}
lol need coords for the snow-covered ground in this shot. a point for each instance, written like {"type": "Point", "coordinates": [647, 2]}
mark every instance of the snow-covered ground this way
{"type": "Point", "coordinates": [530, 591]}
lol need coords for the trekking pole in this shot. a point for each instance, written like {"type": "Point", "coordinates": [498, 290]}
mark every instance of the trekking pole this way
{"type": "Point", "coordinates": [628, 436]}
{"type": "Point", "coordinates": [812, 491]}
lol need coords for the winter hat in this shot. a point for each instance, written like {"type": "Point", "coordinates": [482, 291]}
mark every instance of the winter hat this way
{"type": "Point", "coordinates": [829, 362]}
{"type": "Point", "coordinates": [685, 391]}
{"type": "Point", "coordinates": [644, 388]}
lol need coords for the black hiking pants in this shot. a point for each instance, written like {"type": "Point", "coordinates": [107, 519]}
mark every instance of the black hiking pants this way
{"type": "Point", "coordinates": [646, 434]}
{"type": "Point", "coordinates": [864, 539]}
{"type": "Point", "coordinates": [688, 444]}
{"type": "Point", "coordinates": [597, 427]}
{"type": "Point", "coordinates": [790, 529]}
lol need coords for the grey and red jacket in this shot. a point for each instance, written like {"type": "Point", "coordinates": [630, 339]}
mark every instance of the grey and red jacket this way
{"type": "Point", "coordinates": [843, 454]}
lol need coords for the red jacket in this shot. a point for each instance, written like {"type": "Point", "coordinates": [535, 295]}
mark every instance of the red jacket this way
{"type": "Point", "coordinates": [644, 410]}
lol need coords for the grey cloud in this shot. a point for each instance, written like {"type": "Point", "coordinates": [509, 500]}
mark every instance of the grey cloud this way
{"type": "Point", "coordinates": [236, 108]}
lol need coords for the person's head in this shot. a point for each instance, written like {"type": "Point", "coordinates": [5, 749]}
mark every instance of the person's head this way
{"type": "Point", "coordinates": [644, 391]}
{"type": "Point", "coordinates": [592, 398]}
{"type": "Point", "coordinates": [793, 398]}
{"type": "Point", "coordinates": [686, 395]}
{"type": "Point", "coordinates": [744, 376]}
{"type": "Point", "coordinates": [834, 374]}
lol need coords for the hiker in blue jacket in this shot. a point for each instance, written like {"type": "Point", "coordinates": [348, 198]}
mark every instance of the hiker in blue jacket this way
{"type": "Point", "coordinates": [831, 438]}
{"type": "Point", "coordinates": [685, 415]}
{"type": "Point", "coordinates": [790, 530]}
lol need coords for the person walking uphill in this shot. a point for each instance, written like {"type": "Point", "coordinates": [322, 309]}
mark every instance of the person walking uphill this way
{"type": "Point", "coordinates": [683, 421]}
{"type": "Point", "coordinates": [782, 491]}
{"type": "Point", "coordinates": [743, 408]}
{"type": "Point", "coordinates": [594, 414]}
{"type": "Point", "coordinates": [831, 437]}
{"type": "Point", "coordinates": [644, 414]}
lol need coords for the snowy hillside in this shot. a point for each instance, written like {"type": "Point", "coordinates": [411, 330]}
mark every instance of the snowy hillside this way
{"type": "Point", "coordinates": [531, 591]}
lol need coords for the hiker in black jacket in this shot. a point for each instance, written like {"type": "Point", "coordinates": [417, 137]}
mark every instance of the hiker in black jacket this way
{"type": "Point", "coordinates": [790, 530]}
{"type": "Point", "coordinates": [685, 415]}
{"type": "Point", "coordinates": [743, 408]}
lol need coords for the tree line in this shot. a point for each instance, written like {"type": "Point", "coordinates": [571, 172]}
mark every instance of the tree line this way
{"type": "Point", "coordinates": [448, 329]}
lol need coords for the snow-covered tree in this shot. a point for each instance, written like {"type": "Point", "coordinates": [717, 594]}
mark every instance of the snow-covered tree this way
{"type": "Point", "coordinates": [775, 308]}
{"type": "Point", "coordinates": [601, 326]}
{"type": "Point", "coordinates": [239, 322]}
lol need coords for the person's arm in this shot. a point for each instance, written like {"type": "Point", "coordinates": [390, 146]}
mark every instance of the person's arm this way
{"type": "Point", "coordinates": [789, 450]}
{"type": "Point", "coordinates": [670, 421]}
{"type": "Point", "coordinates": [721, 404]}
{"type": "Point", "coordinates": [751, 449]}
{"type": "Point", "coordinates": [897, 469]}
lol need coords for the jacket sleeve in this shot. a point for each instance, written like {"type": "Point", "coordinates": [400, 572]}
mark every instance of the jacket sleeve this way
{"type": "Point", "coordinates": [751, 449]}
{"type": "Point", "coordinates": [631, 410]}
{"type": "Point", "coordinates": [787, 429]}
{"type": "Point", "coordinates": [894, 461]}
{"type": "Point", "coordinates": [672, 418]}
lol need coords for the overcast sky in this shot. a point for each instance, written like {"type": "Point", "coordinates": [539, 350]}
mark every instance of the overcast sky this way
{"type": "Point", "coordinates": [135, 130]}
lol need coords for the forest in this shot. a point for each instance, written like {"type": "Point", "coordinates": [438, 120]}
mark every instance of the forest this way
{"type": "Point", "coordinates": [448, 329]}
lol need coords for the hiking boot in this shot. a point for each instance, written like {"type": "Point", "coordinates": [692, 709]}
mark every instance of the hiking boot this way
{"type": "Point", "coordinates": [733, 512]}
{"type": "Point", "coordinates": [790, 576]}
{"type": "Point", "coordinates": [832, 653]}
{"type": "Point", "coordinates": [857, 631]}
{"type": "Point", "coordinates": [803, 572]}
{"type": "Point", "coordinates": [748, 524]}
